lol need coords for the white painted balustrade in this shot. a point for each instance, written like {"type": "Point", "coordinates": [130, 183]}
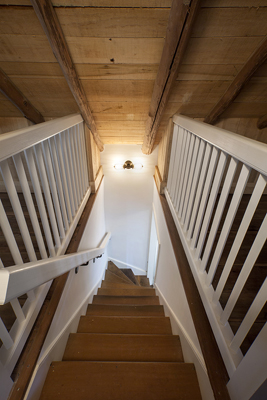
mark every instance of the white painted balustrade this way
{"type": "Point", "coordinates": [47, 164]}
{"type": "Point", "coordinates": [206, 165]}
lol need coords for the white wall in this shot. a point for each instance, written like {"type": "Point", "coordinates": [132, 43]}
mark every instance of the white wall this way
{"type": "Point", "coordinates": [128, 201]}
{"type": "Point", "coordinates": [78, 292]}
{"type": "Point", "coordinates": [170, 289]}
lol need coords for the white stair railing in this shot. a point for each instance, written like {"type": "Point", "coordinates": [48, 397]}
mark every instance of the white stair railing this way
{"type": "Point", "coordinates": [206, 165]}
{"type": "Point", "coordinates": [45, 166]}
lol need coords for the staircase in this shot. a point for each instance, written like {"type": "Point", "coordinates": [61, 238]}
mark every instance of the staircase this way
{"type": "Point", "coordinates": [123, 349]}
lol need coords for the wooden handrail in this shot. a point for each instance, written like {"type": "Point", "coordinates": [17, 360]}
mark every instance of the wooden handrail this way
{"type": "Point", "coordinates": [215, 366]}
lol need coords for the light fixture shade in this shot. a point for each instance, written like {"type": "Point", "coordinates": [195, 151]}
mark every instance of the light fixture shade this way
{"type": "Point", "coordinates": [138, 166]}
{"type": "Point", "coordinates": [128, 165]}
{"type": "Point", "coordinates": [118, 166]}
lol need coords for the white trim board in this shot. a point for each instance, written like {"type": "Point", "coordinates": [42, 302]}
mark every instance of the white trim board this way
{"type": "Point", "coordinates": [121, 264]}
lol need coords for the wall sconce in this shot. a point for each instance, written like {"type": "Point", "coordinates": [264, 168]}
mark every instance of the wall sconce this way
{"type": "Point", "coordinates": [128, 165]}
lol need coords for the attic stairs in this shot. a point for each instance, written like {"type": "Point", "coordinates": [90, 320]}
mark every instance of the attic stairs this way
{"type": "Point", "coordinates": [123, 349]}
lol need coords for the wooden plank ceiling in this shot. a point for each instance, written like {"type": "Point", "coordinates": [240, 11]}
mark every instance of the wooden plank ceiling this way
{"type": "Point", "coordinates": [116, 46]}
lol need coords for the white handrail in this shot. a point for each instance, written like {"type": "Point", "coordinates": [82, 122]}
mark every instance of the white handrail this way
{"type": "Point", "coordinates": [19, 279]}
{"type": "Point", "coordinates": [249, 151]}
{"type": "Point", "coordinates": [14, 142]}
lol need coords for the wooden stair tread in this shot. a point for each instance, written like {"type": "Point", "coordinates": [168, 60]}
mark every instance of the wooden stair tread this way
{"type": "Point", "coordinates": [129, 273]}
{"type": "Point", "coordinates": [142, 300]}
{"type": "Point", "coordinates": [120, 310]}
{"type": "Point", "coordinates": [140, 325]}
{"type": "Point", "coordinates": [127, 292]}
{"type": "Point", "coordinates": [127, 347]}
{"type": "Point", "coordinates": [116, 271]}
{"type": "Point", "coordinates": [117, 381]}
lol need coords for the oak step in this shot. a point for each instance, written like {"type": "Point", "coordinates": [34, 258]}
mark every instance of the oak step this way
{"type": "Point", "coordinates": [120, 310]}
{"type": "Point", "coordinates": [113, 278]}
{"type": "Point", "coordinates": [127, 292]}
{"type": "Point", "coordinates": [116, 271]}
{"type": "Point", "coordinates": [123, 325]}
{"type": "Point", "coordinates": [143, 300]}
{"type": "Point", "coordinates": [143, 280]}
{"type": "Point", "coordinates": [116, 381]}
{"type": "Point", "coordinates": [127, 347]}
{"type": "Point", "coordinates": [129, 273]}
{"type": "Point", "coordinates": [110, 285]}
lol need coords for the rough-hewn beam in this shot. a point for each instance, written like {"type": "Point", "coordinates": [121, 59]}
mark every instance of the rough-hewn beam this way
{"type": "Point", "coordinates": [49, 21]}
{"type": "Point", "coordinates": [262, 122]}
{"type": "Point", "coordinates": [13, 94]}
{"type": "Point", "coordinates": [243, 76]}
{"type": "Point", "coordinates": [178, 33]}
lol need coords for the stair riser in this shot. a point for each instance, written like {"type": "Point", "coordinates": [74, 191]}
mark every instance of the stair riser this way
{"type": "Point", "coordinates": [136, 300]}
{"type": "Point", "coordinates": [119, 310]}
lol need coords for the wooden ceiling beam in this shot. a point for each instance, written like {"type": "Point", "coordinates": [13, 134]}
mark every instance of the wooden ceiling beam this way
{"type": "Point", "coordinates": [262, 122]}
{"type": "Point", "coordinates": [243, 76]}
{"type": "Point", "coordinates": [10, 90]}
{"type": "Point", "coordinates": [50, 23]}
{"type": "Point", "coordinates": [181, 19]}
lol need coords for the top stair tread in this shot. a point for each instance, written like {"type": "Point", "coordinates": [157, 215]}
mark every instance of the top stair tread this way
{"type": "Point", "coordinates": [119, 285]}
{"type": "Point", "coordinates": [121, 380]}
{"type": "Point", "coordinates": [143, 280]}
{"type": "Point", "coordinates": [116, 271]}
{"type": "Point", "coordinates": [129, 273]}
{"type": "Point", "coordinates": [131, 291]}
{"type": "Point", "coordinates": [114, 278]}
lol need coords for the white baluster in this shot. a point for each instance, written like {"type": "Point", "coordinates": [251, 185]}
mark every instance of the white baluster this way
{"type": "Point", "coordinates": [212, 198]}
{"type": "Point", "coordinates": [81, 127]}
{"type": "Point", "coordinates": [183, 135]}
{"type": "Point", "coordinates": [8, 234]}
{"type": "Point", "coordinates": [14, 199]}
{"type": "Point", "coordinates": [68, 195]}
{"type": "Point", "coordinates": [79, 162]}
{"type": "Point", "coordinates": [5, 336]}
{"type": "Point", "coordinates": [58, 183]}
{"type": "Point", "coordinates": [17, 310]}
{"type": "Point", "coordinates": [39, 198]}
{"type": "Point", "coordinates": [82, 166]}
{"type": "Point", "coordinates": [247, 267]}
{"type": "Point", "coordinates": [197, 171]}
{"type": "Point", "coordinates": [47, 194]}
{"type": "Point", "coordinates": [183, 168]}
{"type": "Point", "coordinates": [186, 182]}
{"type": "Point", "coordinates": [199, 191]}
{"type": "Point", "coordinates": [242, 230]}
{"type": "Point", "coordinates": [172, 160]}
{"type": "Point", "coordinates": [29, 202]}
{"type": "Point", "coordinates": [71, 162]}
{"type": "Point", "coordinates": [53, 187]}
{"type": "Point", "coordinates": [250, 317]}
{"type": "Point", "coordinates": [219, 211]}
{"type": "Point", "coordinates": [176, 163]}
{"type": "Point", "coordinates": [192, 165]}
{"type": "Point", "coordinates": [237, 196]}
{"type": "Point", "coordinates": [75, 164]}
